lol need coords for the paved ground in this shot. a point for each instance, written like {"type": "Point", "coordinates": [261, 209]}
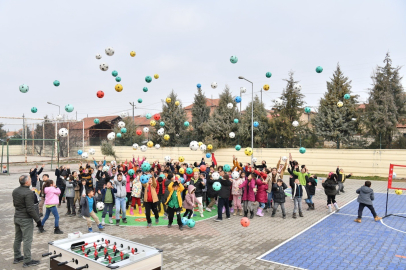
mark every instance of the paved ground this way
{"type": "Point", "coordinates": [209, 245]}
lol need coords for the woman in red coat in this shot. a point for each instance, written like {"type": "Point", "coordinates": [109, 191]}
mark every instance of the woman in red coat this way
{"type": "Point", "coordinates": [262, 186]}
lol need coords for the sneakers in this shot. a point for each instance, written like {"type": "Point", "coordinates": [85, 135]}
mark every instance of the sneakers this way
{"type": "Point", "coordinates": [336, 207]}
{"type": "Point", "coordinates": [73, 215]}
{"type": "Point", "coordinates": [294, 215]}
{"type": "Point", "coordinates": [358, 220]}
{"type": "Point", "coordinates": [111, 220]}
{"type": "Point", "coordinates": [208, 209]}
{"type": "Point", "coordinates": [57, 231]}
{"type": "Point", "coordinates": [102, 223]}
{"type": "Point", "coordinates": [149, 225]}
{"type": "Point", "coordinates": [217, 220]}
{"type": "Point", "coordinates": [18, 260]}
{"type": "Point", "coordinates": [124, 220]}
{"type": "Point", "coordinates": [68, 213]}
{"type": "Point", "coordinates": [100, 226]}
{"type": "Point", "coordinates": [31, 263]}
{"type": "Point", "coordinates": [117, 222]}
{"type": "Point", "coordinates": [169, 225]}
{"type": "Point", "coordinates": [156, 220]}
{"type": "Point", "coordinates": [377, 218]}
{"type": "Point", "coordinates": [90, 229]}
{"type": "Point", "coordinates": [41, 229]}
{"type": "Point", "coordinates": [201, 215]}
{"type": "Point", "coordinates": [300, 214]}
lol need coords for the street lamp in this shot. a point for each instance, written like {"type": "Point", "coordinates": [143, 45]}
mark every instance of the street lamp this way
{"type": "Point", "coordinates": [252, 114]}
{"type": "Point", "coordinates": [56, 128]}
{"type": "Point", "coordinates": [55, 105]}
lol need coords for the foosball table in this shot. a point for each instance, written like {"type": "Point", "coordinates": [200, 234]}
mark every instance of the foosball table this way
{"type": "Point", "coordinates": [102, 251]}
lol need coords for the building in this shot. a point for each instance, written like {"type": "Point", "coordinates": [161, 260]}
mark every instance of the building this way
{"type": "Point", "coordinates": [211, 103]}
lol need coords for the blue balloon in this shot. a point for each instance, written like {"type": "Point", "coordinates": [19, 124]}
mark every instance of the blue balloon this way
{"type": "Point", "coordinates": [191, 223]}
{"type": "Point", "coordinates": [256, 124]}
{"type": "Point", "coordinates": [208, 155]}
{"type": "Point", "coordinates": [145, 178]}
{"type": "Point", "coordinates": [80, 152]}
{"type": "Point", "coordinates": [302, 150]}
{"type": "Point", "coordinates": [184, 221]}
{"type": "Point", "coordinates": [237, 99]}
{"type": "Point", "coordinates": [199, 85]}
{"type": "Point", "coordinates": [182, 180]}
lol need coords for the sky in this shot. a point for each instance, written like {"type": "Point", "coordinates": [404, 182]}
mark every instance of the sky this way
{"type": "Point", "coordinates": [186, 43]}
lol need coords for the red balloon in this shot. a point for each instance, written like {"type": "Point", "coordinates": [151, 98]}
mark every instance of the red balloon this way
{"type": "Point", "coordinates": [245, 222]}
{"type": "Point", "coordinates": [139, 132]}
{"type": "Point", "coordinates": [157, 116]}
{"type": "Point", "coordinates": [100, 94]}
{"type": "Point", "coordinates": [203, 168]}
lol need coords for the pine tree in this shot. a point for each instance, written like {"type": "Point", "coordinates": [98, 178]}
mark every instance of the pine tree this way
{"type": "Point", "coordinates": [174, 118]}
{"type": "Point", "coordinates": [200, 114]}
{"type": "Point", "coordinates": [3, 133]}
{"type": "Point", "coordinates": [260, 132]}
{"type": "Point", "coordinates": [334, 123]}
{"type": "Point", "coordinates": [130, 137]}
{"type": "Point", "coordinates": [221, 123]}
{"type": "Point", "coordinates": [386, 103]}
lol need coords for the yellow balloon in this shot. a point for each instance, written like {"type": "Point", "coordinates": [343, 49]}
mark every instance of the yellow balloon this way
{"type": "Point", "coordinates": [132, 53]}
{"type": "Point", "coordinates": [209, 147]}
{"type": "Point", "coordinates": [196, 170]}
{"type": "Point", "coordinates": [200, 143]}
{"type": "Point", "coordinates": [168, 100]}
{"type": "Point", "coordinates": [266, 87]}
{"type": "Point", "coordinates": [156, 76]}
{"type": "Point", "coordinates": [181, 171]}
{"type": "Point", "coordinates": [181, 159]}
{"type": "Point", "coordinates": [398, 192]}
{"type": "Point", "coordinates": [119, 87]}
{"type": "Point", "coordinates": [150, 144]}
{"type": "Point", "coordinates": [340, 104]}
{"type": "Point", "coordinates": [177, 103]}
{"type": "Point", "coordinates": [248, 151]}
{"type": "Point", "coordinates": [166, 137]}
{"type": "Point", "coordinates": [152, 123]}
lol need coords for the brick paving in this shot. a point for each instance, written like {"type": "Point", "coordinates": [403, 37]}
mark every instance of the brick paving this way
{"type": "Point", "coordinates": [209, 245]}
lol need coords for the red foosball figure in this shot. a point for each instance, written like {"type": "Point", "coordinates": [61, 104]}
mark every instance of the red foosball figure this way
{"type": "Point", "coordinates": [94, 245]}
{"type": "Point", "coordinates": [96, 253]}
{"type": "Point", "coordinates": [83, 248]}
{"type": "Point", "coordinates": [114, 248]}
{"type": "Point", "coordinates": [109, 258]}
{"type": "Point", "coordinates": [121, 255]}
{"type": "Point", "coordinates": [105, 250]}
{"type": "Point", "coordinates": [132, 250]}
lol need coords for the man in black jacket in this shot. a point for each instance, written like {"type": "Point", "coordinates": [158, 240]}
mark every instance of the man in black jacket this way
{"type": "Point", "coordinates": [23, 200]}
{"type": "Point", "coordinates": [223, 195]}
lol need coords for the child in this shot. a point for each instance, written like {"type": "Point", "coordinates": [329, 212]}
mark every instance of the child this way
{"type": "Point", "coordinates": [236, 191]}
{"type": "Point", "coordinates": [40, 184]}
{"type": "Point", "coordinates": [341, 179]}
{"type": "Point", "coordinates": [89, 210]}
{"type": "Point", "coordinates": [168, 181]}
{"type": "Point", "coordinates": [150, 200]}
{"type": "Point", "coordinates": [174, 203]}
{"type": "Point", "coordinates": [82, 191]}
{"type": "Point", "coordinates": [211, 193]}
{"type": "Point", "coordinates": [76, 189]}
{"type": "Point", "coordinates": [190, 201]}
{"type": "Point", "coordinates": [365, 198]}
{"type": "Point", "coordinates": [120, 195]}
{"type": "Point", "coordinates": [311, 183]}
{"type": "Point", "coordinates": [4, 169]}
{"type": "Point", "coordinates": [330, 190]}
{"type": "Point", "coordinates": [298, 192]}
{"type": "Point", "coordinates": [108, 200]}
{"type": "Point", "coordinates": [301, 175]}
{"type": "Point", "coordinates": [224, 194]}
{"type": "Point", "coordinates": [51, 201]}
{"type": "Point", "coordinates": [248, 197]}
{"type": "Point", "coordinates": [136, 194]}
{"type": "Point", "coordinates": [70, 195]}
{"type": "Point", "coordinates": [261, 195]}
{"type": "Point", "coordinates": [198, 182]}
{"type": "Point", "coordinates": [160, 190]}
{"type": "Point", "coordinates": [271, 180]}
{"type": "Point", "coordinates": [278, 192]}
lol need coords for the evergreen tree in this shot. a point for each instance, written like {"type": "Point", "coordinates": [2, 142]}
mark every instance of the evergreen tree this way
{"type": "Point", "coordinates": [260, 132]}
{"type": "Point", "coordinates": [174, 118]}
{"type": "Point", "coordinates": [221, 123]}
{"type": "Point", "coordinates": [200, 114]}
{"type": "Point", "coordinates": [284, 114]}
{"type": "Point", "coordinates": [386, 103]}
{"type": "Point", "coordinates": [130, 137]}
{"type": "Point", "coordinates": [334, 123]}
{"type": "Point", "coordinates": [3, 132]}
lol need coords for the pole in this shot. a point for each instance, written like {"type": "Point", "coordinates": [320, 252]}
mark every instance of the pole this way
{"type": "Point", "coordinates": [33, 136]}
{"type": "Point", "coordinates": [8, 159]}
{"type": "Point", "coordinates": [22, 133]}
{"type": "Point", "coordinates": [133, 105]}
{"type": "Point", "coordinates": [25, 148]}
{"type": "Point", "coordinates": [56, 137]}
{"type": "Point", "coordinates": [83, 135]}
{"type": "Point", "coordinates": [261, 95]}
{"type": "Point", "coordinates": [252, 121]}
{"type": "Point", "coordinates": [43, 137]}
{"type": "Point", "coordinates": [240, 103]}
{"type": "Point", "coordinates": [68, 138]}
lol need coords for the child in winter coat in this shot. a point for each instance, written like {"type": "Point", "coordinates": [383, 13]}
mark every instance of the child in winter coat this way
{"type": "Point", "coordinates": [108, 199]}
{"type": "Point", "coordinates": [70, 195]}
{"type": "Point", "coordinates": [150, 199]}
{"type": "Point", "coordinates": [261, 197]}
{"type": "Point", "coordinates": [365, 198]}
{"type": "Point", "coordinates": [198, 182]}
{"type": "Point", "coordinates": [301, 175]}
{"type": "Point", "coordinates": [136, 194]}
{"type": "Point", "coordinates": [278, 192]}
{"type": "Point", "coordinates": [190, 202]}
{"type": "Point", "coordinates": [330, 190]}
{"type": "Point", "coordinates": [236, 191]}
{"type": "Point", "coordinates": [341, 179]}
{"type": "Point", "coordinates": [223, 196]}
{"type": "Point", "coordinates": [51, 201]}
{"type": "Point", "coordinates": [298, 192]}
{"type": "Point", "coordinates": [160, 190]}
{"type": "Point", "coordinates": [311, 183]}
{"type": "Point", "coordinates": [211, 193]}
{"type": "Point", "coordinates": [120, 195]}
{"type": "Point", "coordinates": [248, 197]}
{"type": "Point", "coordinates": [89, 210]}
{"type": "Point", "coordinates": [174, 203]}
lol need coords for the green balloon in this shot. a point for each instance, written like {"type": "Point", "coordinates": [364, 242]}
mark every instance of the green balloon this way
{"type": "Point", "coordinates": [24, 88]}
{"type": "Point", "coordinates": [233, 59]}
{"type": "Point", "coordinates": [118, 135]}
{"type": "Point", "coordinates": [140, 100]}
{"type": "Point", "coordinates": [238, 147]}
{"type": "Point", "coordinates": [118, 79]}
{"type": "Point", "coordinates": [57, 83]}
{"type": "Point", "coordinates": [347, 96]}
{"type": "Point", "coordinates": [307, 110]}
{"type": "Point", "coordinates": [69, 108]}
{"type": "Point", "coordinates": [236, 121]}
{"type": "Point", "coordinates": [162, 124]}
{"type": "Point", "coordinates": [123, 130]}
{"type": "Point", "coordinates": [186, 124]}
{"type": "Point", "coordinates": [96, 121]}
{"type": "Point", "coordinates": [319, 69]}
{"type": "Point", "coordinates": [34, 109]}
{"type": "Point", "coordinates": [302, 150]}
{"type": "Point", "coordinates": [268, 74]}
{"type": "Point", "coordinates": [148, 79]}
{"type": "Point", "coordinates": [145, 89]}
{"type": "Point", "coordinates": [114, 73]}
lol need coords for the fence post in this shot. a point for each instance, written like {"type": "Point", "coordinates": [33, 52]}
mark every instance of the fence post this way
{"type": "Point", "coordinates": [8, 161]}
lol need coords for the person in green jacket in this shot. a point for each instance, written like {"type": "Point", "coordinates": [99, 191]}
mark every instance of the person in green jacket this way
{"type": "Point", "coordinates": [301, 175]}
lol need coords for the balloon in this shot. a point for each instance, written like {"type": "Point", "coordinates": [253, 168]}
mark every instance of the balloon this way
{"type": "Point", "coordinates": [132, 53]}
{"type": "Point", "coordinates": [266, 87]}
{"type": "Point", "coordinates": [237, 99]}
{"type": "Point", "coordinates": [140, 100]}
{"type": "Point", "coordinates": [80, 152]}
{"type": "Point", "coordinates": [233, 59]}
{"type": "Point", "coordinates": [69, 108]}
{"type": "Point", "coordinates": [248, 151]}
{"type": "Point", "coordinates": [186, 123]}
{"type": "Point", "coordinates": [199, 85]}
{"type": "Point", "coordinates": [138, 132]}
{"type": "Point", "coordinates": [203, 168]}
{"type": "Point", "coordinates": [152, 123]}
{"type": "Point", "coordinates": [145, 89]}
{"type": "Point", "coordinates": [307, 110]}
{"type": "Point", "coordinates": [181, 171]}
{"type": "Point", "coordinates": [34, 109]}
{"type": "Point", "coordinates": [209, 147]}
{"type": "Point", "coordinates": [162, 124]}
{"type": "Point", "coordinates": [177, 103]}
{"type": "Point", "coordinates": [131, 172]}
{"type": "Point", "coordinates": [166, 137]}
{"type": "Point", "coordinates": [123, 130]}
{"type": "Point", "coordinates": [156, 76]}
{"type": "Point", "coordinates": [191, 223]}
{"type": "Point", "coordinates": [347, 96]}
{"type": "Point", "coordinates": [118, 135]}
{"type": "Point", "coordinates": [208, 155]}
{"type": "Point", "coordinates": [268, 74]}
{"type": "Point", "coordinates": [256, 124]}
{"type": "Point", "coordinates": [302, 150]}
{"type": "Point", "coordinates": [118, 79]}
{"type": "Point", "coordinates": [319, 69]}
{"type": "Point", "coordinates": [181, 159]}
{"type": "Point", "coordinates": [340, 104]}
{"type": "Point", "coordinates": [96, 121]}
{"type": "Point", "coordinates": [118, 87]}
{"type": "Point", "coordinates": [238, 147]}
{"type": "Point", "coordinates": [145, 167]}
{"type": "Point", "coordinates": [150, 144]}
{"type": "Point", "coordinates": [57, 83]}
{"type": "Point", "coordinates": [189, 170]}
{"type": "Point", "coordinates": [114, 73]}
{"type": "Point", "coordinates": [226, 168]}
{"type": "Point", "coordinates": [236, 121]}
{"type": "Point", "coordinates": [148, 79]}
{"type": "Point", "coordinates": [216, 186]}
{"type": "Point", "coordinates": [24, 88]}
{"type": "Point", "coordinates": [157, 116]}
{"type": "Point", "coordinates": [184, 221]}
{"type": "Point", "coordinates": [100, 94]}
{"type": "Point", "coordinates": [168, 100]}
{"type": "Point", "coordinates": [245, 222]}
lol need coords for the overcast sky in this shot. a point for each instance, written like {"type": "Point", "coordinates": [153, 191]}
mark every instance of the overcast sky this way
{"type": "Point", "coordinates": [186, 42]}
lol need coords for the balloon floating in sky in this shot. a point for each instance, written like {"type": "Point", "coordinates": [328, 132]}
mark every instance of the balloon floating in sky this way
{"type": "Point", "coordinates": [96, 121]}
{"type": "Point", "coordinates": [302, 150]}
{"type": "Point", "coordinates": [114, 73]}
{"type": "Point", "coordinates": [80, 152]}
{"type": "Point", "coordinates": [140, 100]}
{"type": "Point", "coordinates": [266, 87]}
{"type": "Point", "coordinates": [104, 66]}
{"type": "Point", "coordinates": [118, 79]}
{"type": "Point", "coordinates": [214, 85]}
{"type": "Point", "coordinates": [236, 121]}
{"type": "Point", "coordinates": [208, 155]}
{"type": "Point", "coordinates": [148, 116]}
{"type": "Point", "coordinates": [319, 69]}
{"type": "Point", "coordinates": [168, 100]}
{"type": "Point", "coordinates": [148, 79]}
{"type": "Point", "coordinates": [100, 94]}
{"type": "Point", "coordinates": [297, 87]}
{"type": "Point", "coordinates": [132, 53]}
{"type": "Point", "coordinates": [237, 99]}
{"type": "Point", "coordinates": [233, 59]}
{"type": "Point", "coordinates": [145, 89]}
{"type": "Point", "coordinates": [69, 108]}
{"type": "Point", "coordinates": [347, 96]}
{"type": "Point", "coordinates": [238, 147]}
{"type": "Point", "coordinates": [268, 74]}
{"type": "Point", "coordinates": [199, 85]}
{"type": "Point", "coordinates": [34, 109]}
{"type": "Point", "coordinates": [162, 124]}
{"type": "Point", "coordinates": [186, 123]}
{"type": "Point", "coordinates": [24, 88]}
{"type": "Point", "coordinates": [109, 51]}
{"type": "Point", "coordinates": [57, 83]}
{"type": "Point", "coordinates": [156, 76]}
{"type": "Point", "coordinates": [248, 151]}
{"type": "Point", "coordinates": [209, 147]}
{"type": "Point", "coordinates": [256, 124]}
{"type": "Point", "coordinates": [98, 56]}
{"type": "Point", "coordinates": [307, 110]}
{"type": "Point", "coordinates": [340, 104]}
{"type": "Point", "coordinates": [177, 103]}
{"type": "Point", "coordinates": [118, 87]}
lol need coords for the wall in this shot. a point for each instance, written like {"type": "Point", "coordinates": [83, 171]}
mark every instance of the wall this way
{"type": "Point", "coordinates": [18, 150]}
{"type": "Point", "coordinates": [361, 162]}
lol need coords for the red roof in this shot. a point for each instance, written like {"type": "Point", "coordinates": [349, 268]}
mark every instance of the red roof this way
{"type": "Point", "coordinates": [89, 121]}
{"type": "Point", "coordinates": [11, 133]}
{"type": "Point", "coordinates": [209, 102]}
{"type": "Point", "coordinates": [142, 121]}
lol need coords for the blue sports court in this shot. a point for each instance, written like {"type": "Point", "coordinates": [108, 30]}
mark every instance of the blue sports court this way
{"type": "Point", "coordinates": [337, 242]}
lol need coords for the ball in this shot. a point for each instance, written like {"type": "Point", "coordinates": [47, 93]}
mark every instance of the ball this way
{"type": "Point", "coordinates": [162, 124]}
{"type": "Point", "coordinates": [138, 132]}
{"type": "Point", "coordinates": [145, 89]}
{"type": "Point", "coordinates": [319, 69]}
{"type": "Point", "coordinates": [302, 150]}
{"type": "Point", "coordinates": [140, 100]}
{"type": "Point", "coordinates": [145, 129]}
{"type": "Point", "coordinates": [23, 88]}
{"type": "Point", "coordinates": [100, 206]}
{"type": "Point", "coordinates": [278, 102]}
{"type": "Point", "coordinates": [111, 136]}
{"type": "Point", "coordinates": [104, 66]}
{"type": "Point", "coordinates": [98, 56]}
{"type": "Point", "coordinates": [186, 123]}
{"type": "Point", "coordinates": [295, 123]}
{"type": "Point", "coordinates": [152, 123]}
{"type": "Point", "coordinates": [145, 177]}
{"type": "Point", "coordinates": [148, 79]}
{"type": "Point", "coordinates": [256, 124]}
{"type": "Point", "coordinates": [148, 116]}
{"type": "Point", "coordinates": [266, 87]}
{"type": "Point", "coordinates": [193, 146]}
{"type": "Point", "coordinates": [106, 168]}
{"type": "Point", "coordinates": [209, 147]}
{"type": "Point", "coordinates": [100, 94]}
{"type": "Point", "coordinates": [203, 147]}
{"type": "Point", "coordinates": [123, 130]}
{"type": "Point", "coordinates": [161, 132]}
{"type": "Point", "coordinates": [297, 87]}
{"type": "Point", "coordinates": [254, 160]}
{"type": "Point", "coordinates": [238, 147]}
{"type": "Point", "coordinates": [199, 85]}
{"type": "Point", "coordinates": [80, 152]}
{"type": "Point", "coordinates": [135, 146]}
{"type": "Point", "coordinates": [243, 90]}
{"type": "Point", "coordinates": [168, 100]}
{"type": "Point", "coordinates": [181, 171]}
{"type": "Point", "coordinates": [131, 172]}
{"type": "Point", "coordinates": [236, 121]}
{"type": "Point", "coordinates": [214, 85]}
{"type": "Point", "coordinates": [57, 83]}
{"type": "Point", "coordinates": [347, 96]}
{"type": "Point", "coordinates": [191, 223]}
{"type": "Point", "coordinates": [235, 175]}
{"type": "Point", "coordinates": [157, 116]}
{"type": "Point", "coordinates": [284, 159]}
{"type": "Point", "coordinates": [156, 76]}
{"type": "Point", "coordinates": [34, 109]}
{"type": "Point", "coordinates": [114, 73]}
{"type": "Point", "coordinates": [203, 168]}
{"type": "Point", "coordinates": [167, 137]}
{"type": "Point", "coordinates": [231, 135]}
{"type": "Point", "coordinates": [393, 175]}
{"type": "Point", "coordinates": [208, 155]}
{"type": "Point", "coordinates": [181, 159]}
{"type": "Point", "coordinates": [245, 222]}
{"type": "Point", "coordinates": [215, 176]}
{"type": "Point", "coordinates": [132, 53]}
{"type": "Point", "coordinates": [143, 148]}
{"type": "Point", "coordinates": [177, 103]}
{"type": "Point", "coordinates": [196, 170]}
{"type": "Point", "coordinates": [340, 104]}
{"type": "Point", "coordinates": [230, 105]}
{"type": "Point", "coordinates": [85, 155]}
{"type": "Point", "coordinates": [184, 220]}
{"type": "Point", "coordinates": [226, 168]}
{"type": "Point", "coordinates": [69, 108]}
{"type": "Point", "coordinates": [237, 99]}
{"type": "Point", "coordinates": [150, 144]}
{"type": "Point", "coordinates": [118, 79]}
{"type": "Point", "coordinates": [216, 186]}
{"type": "Point", "coordinates": [268, 74]}
{"type": "Point", "coordinates": [121, 124]}
{"type": "Point", "coordinates": [118, 87]}
{"type": "Point", "coordinates": [96, 121]}
{"type": "Point", "coordinates": [189, 170]}
{"type": "Point", "coordinates": [118, 135]}
{"type": "Point", "coordinates": [398, 192]}
{"type": "Point", "coordinates": [307, 110]}
{"type": "Point", "coordinates": [123, 114]}
{"type": "Point", "coordinates": [109, 51]}
{"type": "Point", "coordinates": [63, 132]}
{"type": "Point", "coordinates": [92, 151]}
{"type": "Point", "coordinates": [167, 159]}
{"type": "Point", "coordinates": [248, 151]}
{"type": "Point", "coordinates": [233, 59]}
{"type": "Point", "coordinates": [59, 117]}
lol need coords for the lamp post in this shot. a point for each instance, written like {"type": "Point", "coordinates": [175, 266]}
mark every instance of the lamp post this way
{"type": "Point", "coordinates": [56, 128]}
{"type": "Point", "coordinates": [133, 105]}
{"type": "Point", "coordinates": [252, 115]}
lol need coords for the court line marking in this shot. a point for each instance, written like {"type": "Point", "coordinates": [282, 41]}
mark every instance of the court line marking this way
{"type": "Point", "coordinates": [352, 215]}
{"type": "Point", "coordinates": [296, 235]}
{"type": "Point", "coordinates": [392, 227]}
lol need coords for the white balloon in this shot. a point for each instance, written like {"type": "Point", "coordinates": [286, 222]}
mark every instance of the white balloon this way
{"type": "Point", "coordinates": [92, 151]}
{"type": "Point", "coordinates": [105, 168]}
{"type": "Point", "coordinates": [145, 129]}
{"type": "Point", "coordinates": [157, 146]}
{"type": "Point", "coordinates": [297, 87]}
{"type": "Point", "coordinates": [143, 148]}
{"type": "Point", "coordinates": [104, 66]}
{"type": "Point", "coordinates": [167, 159]}
{"type": "Point", "coordinates": [135, 146]}
{"type": "Point", "coordinates": [235, 175]}
{"type": "Point", "coordinates": [230, 105]}
{"type": "Point", "coordinates": [214, 85]}
{"type": "Point", "coordinates": [284, 159]}
{"type": "Point", "coordinates": [295, 123]}
{"type": "Point", "coordinates": [194, 146]}
{"type": "Point", "coordinates": [85, 155]}
{"type": "Point", "coordinates": [231, 135]}
{"type": "Point", "coordinates": [63, 132]}
{"type": "Point", "coordinates": [98, 56]}
{"type": "Point", "coordinates": [161, 132]}
{"type": "Point", "coordinates": [111, 136]}
{"type": "Point", "coordinates": [243, 90]}
{"type": "Point", "coordinates": [278, 102]}
{"type": "Point", "coordinates": [59, 117]}
{"type": "Point", "coordinates": [109, 51]}
{"type": "Point", "coordinates": [254, 159]}
{"type": "Point", "coordinates": [121, 124]}
{"type": "Point", "coordinates": [100, 206]}
{"type": "Point", "coordinates": [393, 175]}
{"type": "Point", "coordinates": [123, 114]}
{"type": "Point", "coordinates": [215, 176]}
{"type": "Point", "coordinates": [203, 147]}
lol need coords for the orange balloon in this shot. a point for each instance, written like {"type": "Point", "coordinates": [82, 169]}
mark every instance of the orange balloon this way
{"type": "Point", "coordinates": [203, 168]}
{"type": "Point", "coordinates": [245, 222]}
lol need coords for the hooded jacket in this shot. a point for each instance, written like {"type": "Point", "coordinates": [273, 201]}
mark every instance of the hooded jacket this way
{"type": "Point", "coordinates": [190, 198]}
{"type": "Point", "coordinates": [330, 187]}
{"type": "Point", "coordinates": [211, 193]}
{"type": "Point", "coordinates": [70, 189]}
{"type": "Point", "coordinates": [178, 193]}
{"type": "Point", "coordinates": [366, 195]}
{"type": "Point", "coordinates": [137, 188]}
{"type": "Point", "coordinates": [261, 195]}
{"type": "Point", "coordinates": [278, 193]}
{"type": "Point", "coordinates": [152, 187]}
{"type": "Point", "coordinates": [198, 184]}
{"type": "Point", "coordinates": [248, 194]}
{"type": "Point", "coordinates": [311, 189]}
{"type": "Point", "coordinates": [85, 206]}
{"type": "Point", "coordinates": [236, 190]}
{"type": "Point", "coordinates": [224, 192]}
{"type": "Point", "coordinates": [121, 187]}
{"type": "Point", "coordinates": [52, 195]}
{"type": "Point", "coordinates": [341, 176]}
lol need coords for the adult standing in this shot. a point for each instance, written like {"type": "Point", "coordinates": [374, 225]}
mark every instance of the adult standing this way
{"type": "Point", "coordinates": [23, 200]}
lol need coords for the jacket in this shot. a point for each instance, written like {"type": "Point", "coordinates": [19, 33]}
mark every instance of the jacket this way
{"type": "Point", "coordinates": [190, 198]}
{"type": "Point", "coordinates": [236, 190]}
{"type": "Point", "coordinates": [341, 176]}
{"type": "Point", "coordinates": [236, 165]}
{"type": "Point", "coordinates": [330, 187]}
{"type": "Point", "coordinates": [248, 194]}
{"type": "Point", "coordinates": [261, 195]}
{"type": "Point", "coordinates": [23, 201]}
{"type": "Point", "coordinates": [271, 179]}
{"type": "Point", "coordinates": [120, 187]}
{"type": "Point", "coordinates": [211, 193]}
{"type": "Point", "coordinates": [52, 195]}
{"type": "Point", "coordinates": [85, 206]}
{"type": "Point", "coordinates": [299, 191]}
{"type": "Point", "coordinates": [160, 188]}
{"type": "Point", "coordinates": [60, 180]}
{"type": "Point", "coordinates": [366, 195]}
{"type": "Point", "coordinates": [260, 167]}
{"type": "Point", "coordinates": [167, 183]}
{"type": "Point", "coordinates": [278, 193]}
{"type": "Point", "coordinates": [103, 192]}
{"type": "Point", "coordinates": [301, 176]}
{"type": "Point", "coordinates": [102, 179]}
{"type": "Point", "coordinates": [128, 185]}
{"type": "Point", "coordinates": [87, 177]}
{"type": "Point", "coordinates": [178, 193]}
{"type": "Point", "coordinates": [137, 188]}
{"type": "Point", "coordinates": [152, 186]}
{"type": "Point", "coordinates": [281, 169]}
{"type": "Point", "coordinates": [70, 189]}
{"type": "Point", "coordinates": [224, 192]}
{"type": "Point", "coordinates": [198, 184]}
{"type": "Point", "coordinates": [311, 189]}
{"type": "Point", "coordinates": [34, 176]}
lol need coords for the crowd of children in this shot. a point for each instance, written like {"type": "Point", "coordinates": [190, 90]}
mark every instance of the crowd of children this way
{"type": "Point", "coordinates": [244, 190]}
